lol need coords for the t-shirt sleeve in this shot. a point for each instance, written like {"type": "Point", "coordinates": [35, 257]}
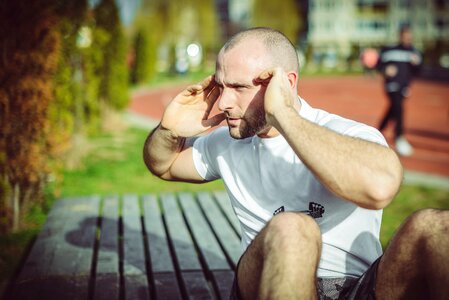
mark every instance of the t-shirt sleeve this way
{"type": "Point", "coordinates": [205, 151]}
{"type": "Point", "coordinates": [357, 130]}
{"type": "Point", "coordinates": [367, 133]}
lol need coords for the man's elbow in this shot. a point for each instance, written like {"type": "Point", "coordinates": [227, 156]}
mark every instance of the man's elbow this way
{"type": "Point", "coordinates": [384, 190]}
{"type": "Point", "coordinates": [382, 198]}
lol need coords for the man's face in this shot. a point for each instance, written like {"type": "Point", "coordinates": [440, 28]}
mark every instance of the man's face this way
{"type": "Point", "coordinates": [241, 99]}
{"type": "Point", "coordinates": [406, 38]}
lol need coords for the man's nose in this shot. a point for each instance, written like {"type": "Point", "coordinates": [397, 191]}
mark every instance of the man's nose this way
{"type": "Point", "coordinates": [226, 100]}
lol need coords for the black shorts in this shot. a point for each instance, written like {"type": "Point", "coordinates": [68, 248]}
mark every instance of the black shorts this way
{"type": "Point", "coordinates": [348, 288]}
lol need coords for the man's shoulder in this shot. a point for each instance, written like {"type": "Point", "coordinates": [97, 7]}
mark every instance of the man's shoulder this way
{"type": "Point", "coordinates": [348, 127]}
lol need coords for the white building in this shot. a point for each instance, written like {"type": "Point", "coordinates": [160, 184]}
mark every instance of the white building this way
{"type": "Point", "coordinates": [346, 26]}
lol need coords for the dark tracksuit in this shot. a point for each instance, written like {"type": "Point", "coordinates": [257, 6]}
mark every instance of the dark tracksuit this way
{"type": "Point", "coordinates": [396, 86]}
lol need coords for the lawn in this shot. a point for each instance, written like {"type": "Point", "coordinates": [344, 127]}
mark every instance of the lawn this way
{"type": "Point", "coordinates": [112, 164]}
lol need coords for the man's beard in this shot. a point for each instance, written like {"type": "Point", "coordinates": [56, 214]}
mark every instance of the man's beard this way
{"type": "Point", "coordinates": [250, 126]}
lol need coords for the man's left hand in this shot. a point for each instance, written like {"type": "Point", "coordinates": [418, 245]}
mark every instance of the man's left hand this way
{"type": "Point", "coordinates": [278, 95]}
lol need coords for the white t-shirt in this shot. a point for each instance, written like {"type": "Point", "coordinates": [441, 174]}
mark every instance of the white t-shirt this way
{"type": "Point", "coordinates": [262, 175]}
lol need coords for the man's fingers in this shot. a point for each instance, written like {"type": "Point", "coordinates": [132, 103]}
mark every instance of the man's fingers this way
{"type": "Point", "coordinates": [214, 121]}
{"type": "Point", "coordinates": [266, 76]}
{"type": "Point", "coordinates": [204, 85]}
{"type": "Point", "coordinates": [212, 97]}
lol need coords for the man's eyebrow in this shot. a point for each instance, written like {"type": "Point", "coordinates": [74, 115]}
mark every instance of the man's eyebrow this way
{"type": "Point", "coordinates": [233, 84]}
{"type": "Point", "coordinates": [238, 84]}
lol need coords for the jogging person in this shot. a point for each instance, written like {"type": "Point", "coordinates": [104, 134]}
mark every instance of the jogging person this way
{"type": "Point", "coordinates": [398, 65]}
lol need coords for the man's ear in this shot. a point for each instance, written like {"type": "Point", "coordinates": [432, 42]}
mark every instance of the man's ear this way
{"type": "Point", "coordinates": [293, 79]}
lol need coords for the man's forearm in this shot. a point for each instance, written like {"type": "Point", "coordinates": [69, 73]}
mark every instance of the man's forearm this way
{"type": "Point", "coordinates": [161, 149]}
{"type": "Point", "coordinates": [362, 172]}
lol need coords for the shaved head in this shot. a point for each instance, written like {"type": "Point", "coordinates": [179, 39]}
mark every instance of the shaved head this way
{"type": "Point", "coordinates": [281, 51]}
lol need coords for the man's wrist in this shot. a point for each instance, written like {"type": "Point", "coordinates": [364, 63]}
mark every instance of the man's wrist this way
{"type": "Point", "coordinates": [169, 135]}
{"type": "Point", "coordinates": [282, 117]}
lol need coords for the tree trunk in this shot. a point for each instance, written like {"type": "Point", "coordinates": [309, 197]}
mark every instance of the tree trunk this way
{"type": "Point", "coordinates": [15, 197]}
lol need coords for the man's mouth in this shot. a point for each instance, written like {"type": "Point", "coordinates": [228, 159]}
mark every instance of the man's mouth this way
{"type": "Point", "coordinates": [233, 121]}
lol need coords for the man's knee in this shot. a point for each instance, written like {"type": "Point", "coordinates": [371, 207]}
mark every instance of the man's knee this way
{"type": "Point", "coordinates": [290, 229]}
{"type": "Point", "coordinates": [427, 222]}
{"type": "Point", "coordinates": [426, 230]}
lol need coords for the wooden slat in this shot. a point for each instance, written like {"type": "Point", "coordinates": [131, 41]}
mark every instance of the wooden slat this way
{"type": "Point", "coordinates": [75, 248]}
{"type": "Point", "coordinates": [43, 249]}
{"type": "Point", "coordinates": [191, 271]}
{"type": "Point", "coordinates": [164, 276]}
{"type": "Point", "coordinates": [107, 283]}
{"type": "Point", "coordinates": [223, 200]}
{"type": "Point", "coordinates": [134, 269]}
{"type": "Point", "coordinates": [224, 281]}
{"type": "Point", "coordinates": [202, 233]}
{"type": "Point", "coordinates": [67, 272]}
{"type": "Point", "coordinates": [180, 236]}
{"type": "Point", "coordinates": [157, 238]}
{"type": "Point", "coordinates": [227, 236]}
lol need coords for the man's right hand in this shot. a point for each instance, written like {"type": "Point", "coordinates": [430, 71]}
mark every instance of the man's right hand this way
{"type": "Point", "coordinates": [187, 114]}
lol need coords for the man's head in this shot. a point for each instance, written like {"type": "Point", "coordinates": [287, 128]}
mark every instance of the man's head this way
{"type": "Point", "coordinates": [239, 64]}
{"type": "Point", "coordinates": [405, 36]}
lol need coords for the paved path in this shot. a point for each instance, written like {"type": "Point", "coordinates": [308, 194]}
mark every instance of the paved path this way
{"type": "Point", "coordinates": [360, 98]}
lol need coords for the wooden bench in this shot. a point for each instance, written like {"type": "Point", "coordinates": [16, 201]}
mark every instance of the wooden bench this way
{"type": "Point", "coordinates": [168, 246]}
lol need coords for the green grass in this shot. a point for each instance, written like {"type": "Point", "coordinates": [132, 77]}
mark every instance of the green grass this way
{"type": "Point", "coordinates": [114, 165]}
{"type": "Point", "coordinates": [409, 200]}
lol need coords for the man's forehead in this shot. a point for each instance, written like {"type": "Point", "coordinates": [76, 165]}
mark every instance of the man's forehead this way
{"type": "Point", "coordinates": [240, 64]}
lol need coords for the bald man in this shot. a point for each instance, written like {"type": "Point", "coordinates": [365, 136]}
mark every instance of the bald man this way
{"type": "Point", "coordinates": [307, 186]}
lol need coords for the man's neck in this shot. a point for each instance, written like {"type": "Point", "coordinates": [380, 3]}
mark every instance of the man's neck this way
{"type": "Point", "coordinates": [271, 131]}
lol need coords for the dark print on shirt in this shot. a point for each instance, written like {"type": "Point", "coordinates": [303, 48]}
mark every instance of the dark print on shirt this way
{"type": "Point", "coordinates": [316, 210]}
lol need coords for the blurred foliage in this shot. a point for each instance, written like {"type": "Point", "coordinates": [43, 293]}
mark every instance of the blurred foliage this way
{"type": "Point", "coordinates": [162, 30]}
{"type": "Point", "coordinates": [29, 60]}
{"type": "Point", "coordinates": [113, 71]}
{"type": "Point", "coordinates": [62, 68]}
{"type": "Point", "coordinates": [281, 15]}
{"type": "Point", "coordinates": [145, 47]}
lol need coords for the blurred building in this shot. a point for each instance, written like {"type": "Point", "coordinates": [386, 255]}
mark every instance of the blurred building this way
{"type": "Point", "coordinates": [342, 27]}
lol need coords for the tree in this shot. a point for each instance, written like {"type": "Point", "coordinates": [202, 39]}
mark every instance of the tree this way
{"type": "Point", "coordinates": [281, 15]}
{"type": "Point", "coordinates": [208, 26]}
{"type": "Point", "coordinates": [113, 72]}
{"type": "Point", "coordinates": [145, 52]}
{"type": "Point", "coordinates": [29, 59]}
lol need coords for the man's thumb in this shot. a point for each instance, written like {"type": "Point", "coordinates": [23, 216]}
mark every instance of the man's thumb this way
{"type": "Point", "coordinates": [214, 121]}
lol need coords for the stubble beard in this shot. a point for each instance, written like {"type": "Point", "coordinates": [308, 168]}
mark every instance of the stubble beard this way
{"type": "Point", "coordinates": [250, 126]}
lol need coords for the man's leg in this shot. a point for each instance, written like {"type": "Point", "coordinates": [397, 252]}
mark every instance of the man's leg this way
{"type": "Point", "coordinates": [416, 263]}
{"type": "Point", "coordinates": [388, 114]}
{"type": "Point", "coordinates": [281, 261]}
{"type": "Point", "coordinates": [397, 112]}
